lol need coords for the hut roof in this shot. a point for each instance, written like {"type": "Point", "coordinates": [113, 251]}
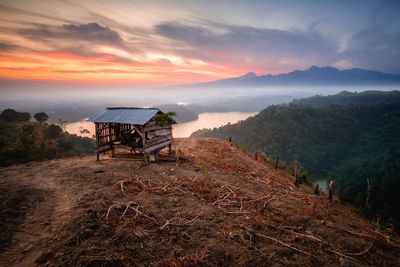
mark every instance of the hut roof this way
{"type": "Point", "coordinates": [125, 115]}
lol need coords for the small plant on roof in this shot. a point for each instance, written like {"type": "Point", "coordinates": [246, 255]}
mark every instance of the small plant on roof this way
{"type": "Point", "coordinates": [165, 119]}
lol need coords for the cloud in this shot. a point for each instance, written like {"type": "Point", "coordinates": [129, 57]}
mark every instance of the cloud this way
{"type": "Point", "coordinates": [91, 32]}
{"type": "Point", "coordinates": [5, 46]}
{"type": "Point", "coordinates": [343, 64]}
{"type": "Point", "coordinates": [30, 13]}
{"type": "Point", "coordinates": [249, 45]}
{"type": "Point", "coordinates": [375, 48]}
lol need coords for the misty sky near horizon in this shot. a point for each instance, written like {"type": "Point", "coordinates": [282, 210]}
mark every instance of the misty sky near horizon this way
{"type": "Point", "coordinates": [62, 45]}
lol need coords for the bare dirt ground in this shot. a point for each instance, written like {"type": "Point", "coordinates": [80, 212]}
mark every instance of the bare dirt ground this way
{"type": "Point", "coordinates": [219, 207]}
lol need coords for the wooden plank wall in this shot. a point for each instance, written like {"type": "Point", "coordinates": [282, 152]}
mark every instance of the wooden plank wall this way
{"type": "Point", "coordinates": [106, 134]}
{"type": "Point", "coordinates": [157, 137]}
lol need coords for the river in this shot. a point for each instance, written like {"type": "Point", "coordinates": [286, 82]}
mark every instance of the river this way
{"type": "Point", "coordinates": [205, 120]}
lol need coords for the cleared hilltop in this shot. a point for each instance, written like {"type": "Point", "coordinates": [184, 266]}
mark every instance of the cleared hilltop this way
{"type": "Point", "coordinates": [218, 207]}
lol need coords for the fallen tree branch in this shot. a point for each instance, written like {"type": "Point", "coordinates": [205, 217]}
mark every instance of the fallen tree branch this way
{"type": "Point", "coordinates": [122, 186]}
{"type": "Point", "coordinates": [343, 255]}
{"type": "Point", "coordinates": [257, 199]}
{"type": "Point", "coordinates": [269, 200]}
{"type": "Point", "coordinates": [127, 206]}
{"type": "Point", "coordinates": [235, 212]}
{"type": "Point", "coordinates": [361, 252]}
{"type": "Point", "coordinates": [141, 213]}
{"type": "Point", "coordinates": [284, 244]}
{"type": "Point", "coordinates": [109, 209]}
{"type": "Point", "coordinates": [382, 238]}
{"type": "Point", "coordinates": [311, 237]}
{"type": "Point", "coordinates": [187, 222]}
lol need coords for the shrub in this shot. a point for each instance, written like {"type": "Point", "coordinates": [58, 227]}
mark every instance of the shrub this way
{"type": "Point", "coordinates": [41, 117]}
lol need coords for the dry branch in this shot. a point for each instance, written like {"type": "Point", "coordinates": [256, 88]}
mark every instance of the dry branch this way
{"type": "Point", "coordinates": [284, 244]}
{"type": "Point", "coordinates": [128, 205]}
{"type": "Point", "coordinates": [182, 221]}
{"type": "Point", "coordinates": [382, 238]}
{"type": "Point", "coordinates": [361, 252]}
{"type": "Point", "coordinates": [343, 255]}
{"type": "Point", "coordinates": [122, 186]}
{"type": "Point", "coordinates": [311, 237]}
{"type": "Point", "coordinates": [257, 199]}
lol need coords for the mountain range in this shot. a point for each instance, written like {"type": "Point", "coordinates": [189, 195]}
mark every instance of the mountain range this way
{"type": "Point", "coordinates": [312, 76]}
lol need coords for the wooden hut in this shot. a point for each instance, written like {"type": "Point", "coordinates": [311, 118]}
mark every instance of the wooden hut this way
{"type": "Point", "coordinates": [137, 128]}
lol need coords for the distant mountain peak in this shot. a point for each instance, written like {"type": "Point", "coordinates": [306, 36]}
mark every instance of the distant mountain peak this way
{"type": "Point", "coordinates": [316, 68]}
{"type": "Point", "coordinates": [250, 74]}
{"type": "Point", "coordinates": [345, 93]}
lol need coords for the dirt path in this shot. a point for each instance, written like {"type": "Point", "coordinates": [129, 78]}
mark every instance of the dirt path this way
{"type": "Point", "coordinates": [51, 197]}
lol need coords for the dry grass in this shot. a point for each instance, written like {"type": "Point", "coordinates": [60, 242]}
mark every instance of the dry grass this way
{"type": "Point", "coordinates": [218, 208]}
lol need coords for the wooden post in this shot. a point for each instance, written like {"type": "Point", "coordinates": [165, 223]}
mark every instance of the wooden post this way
{"type": "Point", "coordinates": [111, 134]}
{"type": "Point", "coordinates": [144, 143]}
{"type": "Point", "coordinates": [316, 190]}
{"type": "Point", "coordinates": [296, 173]}
{"type": "Point", "coordinates": [276, 162]}
{"type": "Point", "coordinates": [97, 141]}
{"type": "Point", "coordinates": [176, 151]}
{"type": "Point", "coordinates": [331, 189]}
{"type": "Point", "coordinates": [230, 139]}
{"type": "Point", "coordinates": [256, 156]}
{"type": "Point", "coordinates": [368, 198]}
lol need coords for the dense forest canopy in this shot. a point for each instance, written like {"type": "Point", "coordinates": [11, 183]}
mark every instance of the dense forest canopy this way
{"type": "Point", "coordinates": [22, 140]}
{"type": "Point", "coordinates": [351, 137]}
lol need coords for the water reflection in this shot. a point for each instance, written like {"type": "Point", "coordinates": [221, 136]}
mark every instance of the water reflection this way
{"type": "Point", "coordinates": [206, 120]}
{"type": "Point", "coordinates": [209, 120]}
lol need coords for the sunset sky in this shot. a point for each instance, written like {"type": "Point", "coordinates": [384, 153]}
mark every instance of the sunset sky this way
{"type": "Point", "coordinates": [172, 42]}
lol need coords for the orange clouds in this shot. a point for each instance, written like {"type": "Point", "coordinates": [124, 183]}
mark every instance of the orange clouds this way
{"type": "Point", "coordinates": [65, 66]}
{"type": "Point", "coordinates": [102, 50]}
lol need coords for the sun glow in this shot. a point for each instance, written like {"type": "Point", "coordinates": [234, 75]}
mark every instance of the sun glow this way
{"type": "Point", "coordinates": [64, 66]}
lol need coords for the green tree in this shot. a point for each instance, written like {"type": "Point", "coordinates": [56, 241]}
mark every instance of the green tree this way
{"type": "Point", "coordinates": [10, 115]}
{"type": "Point", "coordinates": [165, 119]}
{"type": "Point", "coordinates": [41, 117]}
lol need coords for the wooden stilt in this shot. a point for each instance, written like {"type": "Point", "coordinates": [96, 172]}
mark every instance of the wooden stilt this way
{"type": "Point", "coordinates": [97, 141]}
{"type": "Point", "coordinates": [144, 147]}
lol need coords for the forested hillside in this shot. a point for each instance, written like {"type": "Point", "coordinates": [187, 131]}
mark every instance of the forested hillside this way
{"type": "Point", "coordinates": [22, 140]}
{"type": "Point", "coordinates": [349, 136]}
